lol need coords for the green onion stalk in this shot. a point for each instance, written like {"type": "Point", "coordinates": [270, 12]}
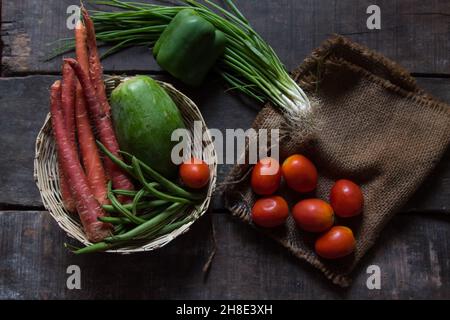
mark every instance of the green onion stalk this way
{"type": "Point", "coordinates": [249, 64]}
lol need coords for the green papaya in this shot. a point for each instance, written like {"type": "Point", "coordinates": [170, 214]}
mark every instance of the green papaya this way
{"type": "Point", "coordinates": [144, 118]}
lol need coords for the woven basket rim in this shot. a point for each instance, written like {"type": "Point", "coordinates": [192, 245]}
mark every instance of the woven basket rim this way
{"type": "Point", "coordinates": [48, 184]}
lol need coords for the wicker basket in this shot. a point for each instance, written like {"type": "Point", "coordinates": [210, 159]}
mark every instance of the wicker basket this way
{"type": "Point", "coordinates": [46, 173]}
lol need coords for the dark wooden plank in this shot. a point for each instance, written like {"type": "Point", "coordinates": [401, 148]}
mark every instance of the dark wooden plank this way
{"type": "Point", "coordinates": [24, 102]}
{"type": "Point", "coordinates": [28, 39]}
{"type": "Point", "coordinates": [413, 255]}
{"type": "Point", "coordinates": [413, 32]}
{"type": "Point", "coordinates": [436, 187]}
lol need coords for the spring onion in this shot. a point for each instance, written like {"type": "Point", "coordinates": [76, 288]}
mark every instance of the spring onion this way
{"type": "Point", "coordinates": [249, 64]}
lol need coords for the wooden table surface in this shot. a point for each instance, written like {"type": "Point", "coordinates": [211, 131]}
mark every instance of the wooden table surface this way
{"type": "Point", "coordinates": [412, 253]}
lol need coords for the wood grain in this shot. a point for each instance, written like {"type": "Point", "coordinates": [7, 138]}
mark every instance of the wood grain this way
{"type": "Point", "coordinates": [412, 252]}
{"type": "Point", "coordinates": [413, 32]}
{"type": "Point", "coordinates": [413, 255]}
{"type": "Point", "coordinates": [24, 104]}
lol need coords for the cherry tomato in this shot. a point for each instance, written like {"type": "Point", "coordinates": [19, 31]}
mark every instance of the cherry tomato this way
{"type": "Point", "coordinates": [194, 173]}
{"type": "Point", "coordinates": [300, 173]}
{"type": "Point", "coordinates": [313, 215]}
{"type": "Point", "coordinates": [266, 177]}
{"type": "Point", "coordinates": [338, 242]}
{"type": "Point", "coordinates": [270, 212]}
{"type": "Point", "coordinates": [346, 198]}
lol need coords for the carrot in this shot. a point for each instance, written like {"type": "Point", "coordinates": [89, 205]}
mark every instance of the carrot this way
{"type": "Point", "coordinates": [68, 99]}
{"type": "Point", "coordinates": [95, 70]}
{"type": "Point", "coordinates": [81, 46]}
{"type": "Point", "coordinates": [88, 208]}
{"type": "Point", "coordinates": [66, 194]}
{"type": "Point", "coordinates": [104, 127]}
{"type": "Point", "coordinates": [68, 82]}
{"type": "Point", "coordinates": [92, 163]}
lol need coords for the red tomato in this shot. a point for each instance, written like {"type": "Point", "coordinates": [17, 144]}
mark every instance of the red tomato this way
{"type": "Point", "coordinates": [194, 173]}
{"type": "Point", "coordinates": [346, 198]}
{"type": "Point", "coordinates": [313, 215]}
{"type": "Point", "coordinates": [300, 173]}
{"type": "Point", "coordinates": [266, 177]}
{"type": "Point", "coordinates": [338, 242]}
{"type": "Point", "coordinates": [270, 212]}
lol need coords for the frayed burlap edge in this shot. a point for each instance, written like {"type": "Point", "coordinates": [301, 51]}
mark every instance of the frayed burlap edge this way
{"type": "Point", "coordinates": [397, 79]}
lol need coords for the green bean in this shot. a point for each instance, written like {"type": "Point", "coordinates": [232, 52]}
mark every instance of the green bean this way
{"type": "Point", "coordinates": [142, 205]}
{"type": "Point", "coordinates": [163, 196]}
{"type": "Point", "coordinates": [99, 246]}
{"type": "Point", "coordinates": [121, 231]}
{"type": "Point", "coordinates": [127, 193]}
{"type": "Point", "coordinates": [153, 213]}
{"type": "Point", "coordinates": [163, 228]}
{"type": "Point", "coordinates": [148, 225]}
{"type": "Point", "coordinates": [119, 228]}
{"type": "Point", "coordinates": [136, 199]}
{"type": "Point", "coordinates": [150, 233]}
{"type": "Point", "coordinates": [125, 167]}
{"type": "Point", "coordinates": [124, 220]}
{"type": "Point", "coordinates": [173, 226]}
{"type": "Point", "coordinates": [169, 185]}
{"type": "Point", "coordinates": [150, 187]}
{"type": "Point", "coordinates": [112, 220]}
{"type": "Point", "coordinates": [119, 207]}
{"type": "Point", "coordinates": [131, 170]}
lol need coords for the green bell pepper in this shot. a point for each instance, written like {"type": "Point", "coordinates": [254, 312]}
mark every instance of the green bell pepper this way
{"type": "Point", "coordinates": [189, 47]}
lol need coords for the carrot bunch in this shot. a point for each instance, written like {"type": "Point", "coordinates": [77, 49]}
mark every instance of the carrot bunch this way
{"type": "Point", "coordinates": [76, 102]}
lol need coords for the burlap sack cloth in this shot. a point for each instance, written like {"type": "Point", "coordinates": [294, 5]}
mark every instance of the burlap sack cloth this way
{"type": "Point", "coordinates": [374, 126]}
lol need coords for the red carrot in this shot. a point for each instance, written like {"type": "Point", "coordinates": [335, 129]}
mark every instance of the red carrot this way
{"type": "Point", "coordinates": [92, 163]}
{"type": "Point", "coordinates": [66, 194]}
{"type": "Point", "coordinates": [95, 69]}
{"type": "Point", "coordinates": [89, 153]}
{"type": "Point", "coordinates": [104, 127]}
{"type": "Point", "coordinates": [67, 89]}
{"type": "Point", "coordinates": [68, 99]}
{"type": "Point", "coordinates": [81, 48]}
{"type": "Point", "coordinates": [88, 208]}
